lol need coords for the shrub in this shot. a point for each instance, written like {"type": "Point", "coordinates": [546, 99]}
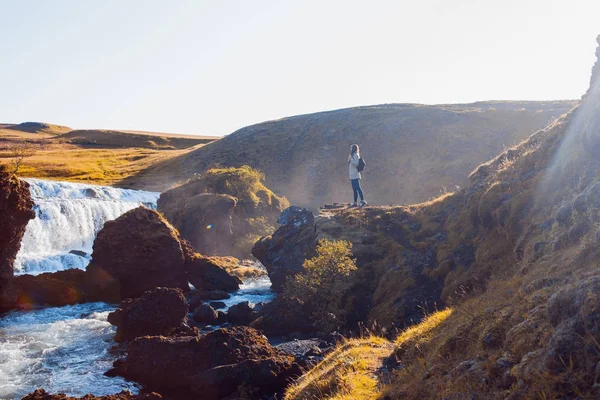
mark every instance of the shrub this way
{"type": "Point", "coordinates": [323, 284]}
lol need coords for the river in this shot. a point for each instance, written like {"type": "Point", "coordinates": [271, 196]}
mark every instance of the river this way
{"type": "Point", "coordinates": [68, 349]}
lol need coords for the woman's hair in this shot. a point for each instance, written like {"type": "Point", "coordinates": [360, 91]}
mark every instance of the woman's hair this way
{"type": "Point", "coordinates": [354, 149]}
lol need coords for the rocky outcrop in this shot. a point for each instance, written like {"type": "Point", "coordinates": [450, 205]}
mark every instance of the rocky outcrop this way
{"type": "Point", "coordinates": [204, 219]}
{"type": "Point", "coordinates": [41, 394]}
{"type": "Point", "coordinates": [160, 311]}
{"type": "Point", "coordinates": [595, 79]}
{"type": "Point", "coordinates": [16, 209]}
{"type": "Point", "coordinates": [223, 211]}
{"type": "Point", "coordinates": [279, 318]}
{"type": "Point", "coordinates": [207, 274]}
{"type": "Point", "coordinates": [211, 367]}
{"type": "Point", "coordinates": [284, 252]}
{"type": "Point", "coordinates": [137, 252]}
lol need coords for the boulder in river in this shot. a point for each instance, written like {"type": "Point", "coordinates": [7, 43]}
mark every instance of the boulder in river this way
{"type": "Point", "coordinates": [205, 314]}
{"type": "Point", "coordinates": [212, 366]}
{"type": "Point", "coordinates": [241, 313]}
{"type": "Point", "coordinates": [79, 253]}
{"type": "Point", "coordinates": [160, 311]}
{"type": "Point", "coordinates": [207, 274]}
{"type": "Point", "coordinates": [139, 251]}
{"type": "Point", "coordinates": [16, 209]}
{"type": "Point", "coordinates": [217, 305]}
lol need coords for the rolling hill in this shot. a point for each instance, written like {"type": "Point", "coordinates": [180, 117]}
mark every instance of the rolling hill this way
{"type": "Point", "coordinates": [95, 156]}
{"type": "Point", "coordinates": [413, 152]}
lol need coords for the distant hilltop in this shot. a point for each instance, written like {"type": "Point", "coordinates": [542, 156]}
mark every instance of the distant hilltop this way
{"type": "Point", "coordinates": [412, 151]}
{"type": "Point", "coordinates": [37, 127]}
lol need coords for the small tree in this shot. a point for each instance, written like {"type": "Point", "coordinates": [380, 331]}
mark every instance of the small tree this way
{"type": "Point", "coordinates": [325, 281]}
{"type": "Point", "coordinates": [19, 151]}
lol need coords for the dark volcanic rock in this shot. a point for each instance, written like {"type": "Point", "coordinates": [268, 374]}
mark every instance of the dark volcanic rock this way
{"type": "Point", "coordinates": [279, 318]}
{"type": "Point", "coordinates": [40, 394]}
{"type": "Point", "coordinates": [211, 366]}
{"type": "Point", "coordinates": [16, 209]}
{"type": "Point", "coordinates": [197, 298]}
{"type": "Point", "coordinates": [217, 304]}
{"type": "Point", "coordinates": [51, 289]}
{"type": "Point", "coordinates": [205, 314]}
{"type": "Point", "coordinates": [78, 253]}
{"type": "Point", "coordinates": [284, 252]}
{"type": "Point", "coordinates": [192, 215]}
{"type": "Point", "coordinates": [139, 251]}
{"type": "Point", "coordinates": [241, 313]}
{"type": "Point", "coordinates": [206, 274]}
{"type": "Point", "coordinates": [160, 311]}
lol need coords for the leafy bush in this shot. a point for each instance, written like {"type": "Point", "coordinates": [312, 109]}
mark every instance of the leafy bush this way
{"type": "Point", "coordinates": [323, 284]}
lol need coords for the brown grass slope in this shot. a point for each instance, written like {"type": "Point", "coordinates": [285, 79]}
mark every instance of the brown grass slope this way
{"type": "Point", "coordinates": [516, 254]}
{"type": "Point", "coordinates": [412, 151]}
{"type": "Point", "coordinates": [149, 140]}
{"type": "Point", "coordinates": [95, 156]}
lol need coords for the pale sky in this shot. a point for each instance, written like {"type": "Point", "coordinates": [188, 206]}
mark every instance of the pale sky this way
{"type": "Point", "coordinates": [212, 67]}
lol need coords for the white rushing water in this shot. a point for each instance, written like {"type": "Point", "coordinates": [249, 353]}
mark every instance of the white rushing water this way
{"type": "Point", "coordinates": [61, 349]}
{"type": "Point", "coordinates": [68, 217]}
{"type": "Point", "coordinates": [254, 290]}
{"type": "Point", "coordinates": [68, 349]}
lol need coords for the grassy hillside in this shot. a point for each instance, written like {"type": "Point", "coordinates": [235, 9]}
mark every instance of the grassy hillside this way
{"type": "Point", "coordinates": [355, 370]}
{"type": "Point", "coordinates": [515, 254]}
{"type": "Point", "coordinates": [96, 156]}
{"type": "Point", "coordinates": [139, 139]}
{"type": "Point", "coordinates": [412, 151]}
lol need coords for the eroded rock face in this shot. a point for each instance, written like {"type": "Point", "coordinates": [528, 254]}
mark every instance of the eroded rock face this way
{"type": "Point", "coordinates": [212, 366]}
{"type": "Point", "coordinates": [139, 251]}
{"type": "Point", "coordinates": [203, 219]}
{"type": "Point", "coordinates": [41, 394]}
{"type": "Point", "coordinates": [223, 211]}
{"type": "Point", "coordinates": [160, 311]}
{"type": "Point", "coordinates": [284, 252]}
{"type": "Point", "coordinates": [16, 209]}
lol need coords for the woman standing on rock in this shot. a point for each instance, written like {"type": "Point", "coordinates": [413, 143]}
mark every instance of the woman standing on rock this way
{"type": "Point", "coordinates": [355, 165]}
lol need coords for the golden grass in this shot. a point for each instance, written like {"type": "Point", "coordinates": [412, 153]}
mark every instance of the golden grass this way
{"type": "Point", "coordinates": [434, 200]}
{"type": "Point", "coordinates": [100, 166]}
{"type": "Point", "coordinates": [348, 373]}
{"type": "Point", "coordinates": [94, 156]}
{"type": "Point", "coordinates": [150, 140]}
{"type": "Point", "coordinates": [421, 332]}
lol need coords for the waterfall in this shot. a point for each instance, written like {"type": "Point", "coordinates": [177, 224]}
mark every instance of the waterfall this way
{"type": "Point", "coordinates": [68, 217]}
